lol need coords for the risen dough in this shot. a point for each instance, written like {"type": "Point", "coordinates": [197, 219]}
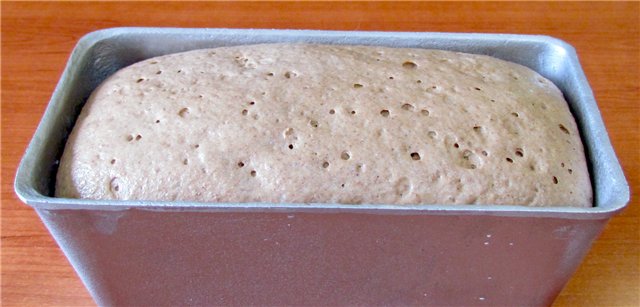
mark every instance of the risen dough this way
{"type": "Point", "coordinates": [298, 123]}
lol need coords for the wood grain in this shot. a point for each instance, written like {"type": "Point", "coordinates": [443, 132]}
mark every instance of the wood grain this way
{"type": "Point", "coordinates": [37, 39]}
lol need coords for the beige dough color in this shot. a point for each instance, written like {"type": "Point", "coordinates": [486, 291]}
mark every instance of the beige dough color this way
{"type": "Point", "coordinates": [298, 123]}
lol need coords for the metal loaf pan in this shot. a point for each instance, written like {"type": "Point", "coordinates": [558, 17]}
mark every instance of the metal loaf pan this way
{"type": "Point", "coordinates": [183, 253]}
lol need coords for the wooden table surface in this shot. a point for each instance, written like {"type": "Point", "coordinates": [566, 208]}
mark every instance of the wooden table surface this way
{"type": "Point", "coordinates": [37, 39]}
